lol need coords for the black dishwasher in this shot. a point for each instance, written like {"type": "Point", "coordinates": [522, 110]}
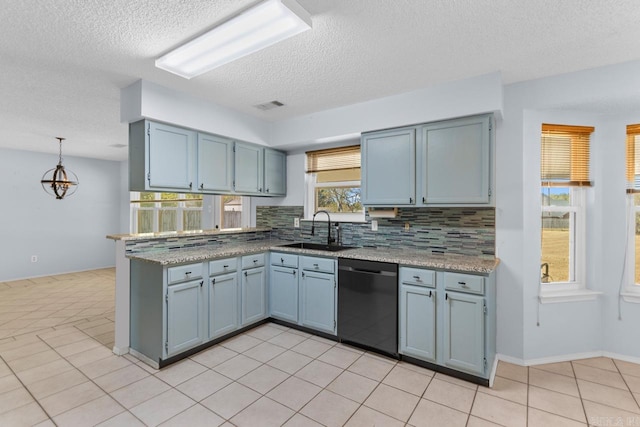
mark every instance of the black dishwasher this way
{"type": "Point", "coordinates": [368, 304]}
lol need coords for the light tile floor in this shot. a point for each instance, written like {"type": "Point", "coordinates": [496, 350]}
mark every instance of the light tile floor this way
{"type": "Point", "coordinates": [56, 368]}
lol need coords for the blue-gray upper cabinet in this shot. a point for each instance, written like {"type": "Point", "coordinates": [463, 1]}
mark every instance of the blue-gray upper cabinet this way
{"type": "Point", "coordinates": [161, 157]}
{"type": "Point", "coordinates": [455, 160]}
{"type": "Point", "coordinates": [248, 166]}
{"type": "Point", "coordinates": [185, 316]}
{"type": "Point", "coordinates": [388, 168]}
{"type": "Point", "coordinates": [275, 172]}
{"type": "Point", "coordinates": [215, 164]}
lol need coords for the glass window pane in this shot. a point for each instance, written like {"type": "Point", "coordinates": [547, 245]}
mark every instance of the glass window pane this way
{"type": "Point", "coordinates": [191, 220]}
{"type": "Point", "coordinates": [168, 220]}
{"type": "Point", "coordinates": [556, 247]}
{"type": "Point", "coordinates": [145, 221]}
{"type": "Point", "coordinates": [556, 196]}
{"type": "Point", "coordinates": [338, 199]}
{"type": "Point", "coordinates": [231, 215]}
{"type": "Point", "coordinates": [636, 198]}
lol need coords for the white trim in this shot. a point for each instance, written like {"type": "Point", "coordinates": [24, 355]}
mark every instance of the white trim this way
{"type": "Point", "coordinates": [145, 359]}
{"type": "Point", "coordinates": [577, 245]}
{"type": "Point", "coordinates": [547, 297]}
{"type": "Point", "coordinates": [310, 202]}
{"type": "Point", "coordinates": [631, 297]}
{"type": "Point", "coordinates": [494, 370]}
{"type": "Point", "coordinates": [120, 351]}
{"type": "Point", "coordinates": [566, 358]}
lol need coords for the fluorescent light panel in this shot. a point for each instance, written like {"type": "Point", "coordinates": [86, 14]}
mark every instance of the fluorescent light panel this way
{"type": "Point", "coordinates": [267, 23]}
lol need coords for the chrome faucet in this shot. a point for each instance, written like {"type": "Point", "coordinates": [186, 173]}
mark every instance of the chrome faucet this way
{"type": "Point", "coordinates": [313, 226]}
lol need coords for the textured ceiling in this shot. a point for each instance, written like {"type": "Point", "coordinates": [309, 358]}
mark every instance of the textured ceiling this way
{"type": "Point", "coordinates": [63, 62]}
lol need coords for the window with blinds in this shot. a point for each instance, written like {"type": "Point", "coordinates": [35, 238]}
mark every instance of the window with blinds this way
{"type": "Point", "coordinates": [334, 159]}
{"type": "Point", "coordinates": [633, 158]}
{"type": "Point", "coordinates": [565, 155]}
{"type": "Point", "coordinates": [333, 183]}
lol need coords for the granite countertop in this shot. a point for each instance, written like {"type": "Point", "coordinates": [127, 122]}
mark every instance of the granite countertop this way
{"type": "Point", "coordinates": [407, 257]}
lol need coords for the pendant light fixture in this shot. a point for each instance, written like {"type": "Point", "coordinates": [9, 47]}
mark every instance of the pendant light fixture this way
{"type": "Point", "coordinates": [59, 182]}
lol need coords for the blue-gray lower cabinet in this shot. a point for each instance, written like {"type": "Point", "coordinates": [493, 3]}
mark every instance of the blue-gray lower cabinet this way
{"type": "Point", "coordinates": [448, 319]}
{"type": "Point", "coordinates": [223, 304]}
{"type": "Point", "coordinates": [254, 295]}
{"type": "Point", "coordinates": [418, 322]}
{"type": "Point", "coordinates": [185, 316]}
{"type": "Point", "coordinates": [283, 293]}
{"type": "Point", "coordinates": [318, 301]}
{"type": "Point", "coordinates": [464, 332]}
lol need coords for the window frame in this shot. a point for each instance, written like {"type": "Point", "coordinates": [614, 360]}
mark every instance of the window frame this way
{"type": "Point", "coordinates": [310, 200]}
{"type": "Point", "coordinates": [210, 206]}
{"type": "Point", "coordinates": [577, 243]}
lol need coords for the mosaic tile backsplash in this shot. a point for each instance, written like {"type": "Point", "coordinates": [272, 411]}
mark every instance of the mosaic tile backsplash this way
{"type": "Point", "coordinates": [466, 231]}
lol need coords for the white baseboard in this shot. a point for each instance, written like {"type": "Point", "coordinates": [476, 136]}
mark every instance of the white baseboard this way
{"type": "Point", "coordinates": [144, 359]}
{"type": "Point", "coordinates": [565, 358]}
{"type": "Point", "coordinates": [120, 351]}
{"type": "Point", "coordinates": [494, 369]}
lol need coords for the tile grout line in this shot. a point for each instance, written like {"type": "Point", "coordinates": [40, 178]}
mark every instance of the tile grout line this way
{"type": "Point", "coordinates": [28, 391]}
{"type": "Point", "coordinates": [584, 410]}
{"type": "Point", "coordinates": [88, 379]}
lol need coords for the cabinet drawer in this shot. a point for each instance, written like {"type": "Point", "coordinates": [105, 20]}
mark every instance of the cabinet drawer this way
{"type": "Point", "coordinates": [284, 260]}
{"type": "Point", "coordinates": [464, 283]}
{"type": "Point", "coordinates": [250, 261]}
{"type": "Point", "coordinates": [184, 273]}
{"type": "Point", "coordinates": [418, 277]}
{"type": "Point", "coordinates": [222, 266]}
{"type": "Point", "coordinates": [325, 265]}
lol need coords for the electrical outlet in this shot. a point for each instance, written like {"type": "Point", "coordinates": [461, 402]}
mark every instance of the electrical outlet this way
{"type": "Point", "coordinates": [406, 226]}
{"type": "Point", "coordinates": [296, 222]}
{"type": "Point", "coordinates": [34, 258]}
{"type": "Point", "coordinates": [374, 225]}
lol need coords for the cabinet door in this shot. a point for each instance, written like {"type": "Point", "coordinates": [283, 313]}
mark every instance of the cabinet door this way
{"type": "Point", "coordinates": [171, 157]}
{"type": "Point", "coordinates": [283, 293]}
{"type": "Point", "coordinates": [185, 316]}
{"type": "Point", "coordinates": [275, 172]}
{"type": "Point", "coordinates": [248, 168]}
{"type": "Point", "coordinates": [455, 161]}
{"type": "Point", "coordinates": [253, 295]}
{"type": "Point", "coordinates": [223, 305]}
{"type": "Point", "coordinates": [318, 301]}
{"type": "Point", "coordinates": [418, 322]}
{"type": "Point", "coordinates": [215, 163]}
{"type": "Point", "coordinates": [464, 332]}
{"type": "Point", "coordinates": [388, 168]}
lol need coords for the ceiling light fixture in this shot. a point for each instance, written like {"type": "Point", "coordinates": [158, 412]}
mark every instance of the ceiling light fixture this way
{"type": "Point", "coordinates": [61, 182]}
{"type": "Point", "coordinates": [267, 23]}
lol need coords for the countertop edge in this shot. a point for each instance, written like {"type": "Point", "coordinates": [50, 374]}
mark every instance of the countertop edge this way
{"type": "Point", "coordinates": [451, 262]}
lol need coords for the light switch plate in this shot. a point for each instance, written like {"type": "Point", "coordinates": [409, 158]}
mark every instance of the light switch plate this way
{"type": "Point", "coordinates": [296, 222]}
{"type": "Point", "coordinates": [374, 225]}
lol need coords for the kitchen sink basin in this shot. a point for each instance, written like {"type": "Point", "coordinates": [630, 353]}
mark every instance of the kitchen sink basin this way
{"type": "Point", "coordinates": [317, 246]}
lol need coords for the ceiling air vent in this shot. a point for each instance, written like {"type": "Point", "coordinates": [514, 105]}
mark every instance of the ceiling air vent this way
{"type": "Point", "coordinates": [269, 105]}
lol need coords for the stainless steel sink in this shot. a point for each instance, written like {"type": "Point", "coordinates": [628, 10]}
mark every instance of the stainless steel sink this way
{"type": "Point", "coordinates": [317, 246]}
